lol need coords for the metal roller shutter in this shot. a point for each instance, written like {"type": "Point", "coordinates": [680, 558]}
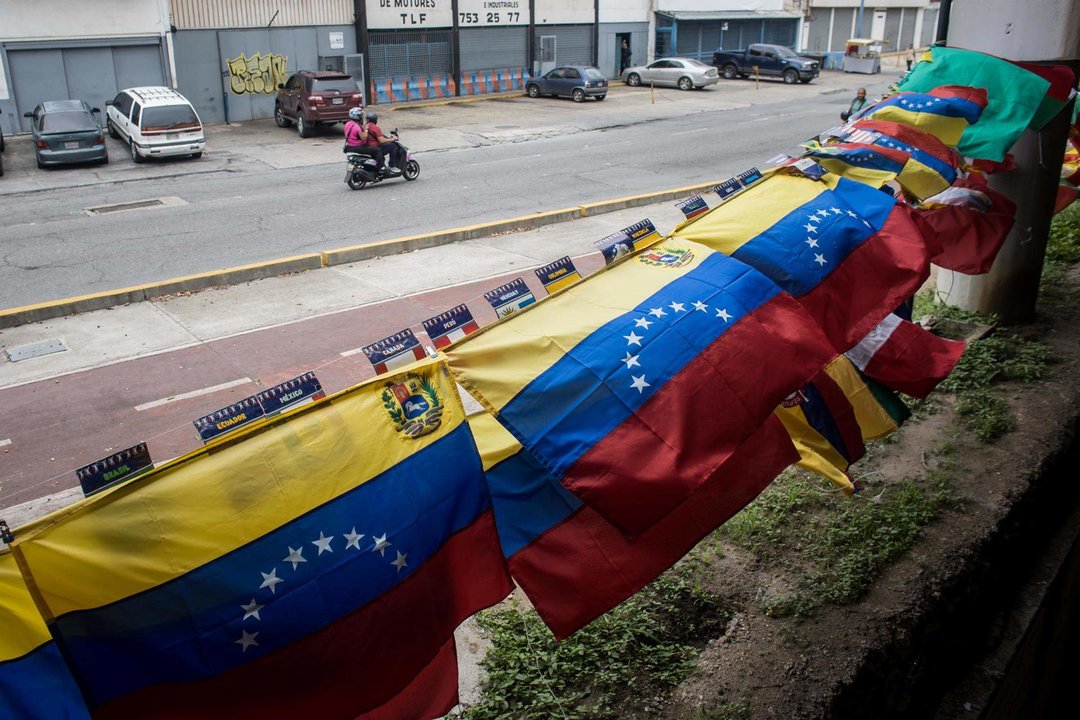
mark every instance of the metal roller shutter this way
{"type": "Point", "coordinates": [410, 53]}
{"type": "Point", "coordinates": [573, 44]}
{"type": "Point", "coordinates": [494, 48]}
{"type": "Point", "coordinates": [780, 32]}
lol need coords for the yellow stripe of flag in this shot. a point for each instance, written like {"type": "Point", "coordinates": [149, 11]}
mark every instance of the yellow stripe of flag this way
{"type": "Point", "coordinates": [21, 627]}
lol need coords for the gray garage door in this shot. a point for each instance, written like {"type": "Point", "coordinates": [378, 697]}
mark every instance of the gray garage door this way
{"type": "Point", "coordinates": [574, 44]}
{"type": "Point", "coordinates": [494, 48]}
{"type": "Point", "coordinates": [91, 73]}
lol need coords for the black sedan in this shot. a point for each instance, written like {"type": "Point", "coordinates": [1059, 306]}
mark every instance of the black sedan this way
{"type": "Point", "coordinates": [67, 131]}
{"type": "Point", "coordinates": [572, 81]}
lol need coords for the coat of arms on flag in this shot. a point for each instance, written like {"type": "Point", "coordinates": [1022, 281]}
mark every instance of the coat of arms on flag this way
{"type": "Point", "coordinates": [667, 257]}
{"type": "Point", "coordinates": [414, 405]}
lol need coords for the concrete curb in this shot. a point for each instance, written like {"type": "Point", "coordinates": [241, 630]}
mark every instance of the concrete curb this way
{"type": "Point", "coordinates": [339, 256]}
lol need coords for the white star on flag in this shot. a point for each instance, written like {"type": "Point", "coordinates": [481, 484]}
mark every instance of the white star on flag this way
{"type": "Point", "coordinates": [867, 224]}
{"type": "Point", "coordinates": [252, 610]}
{"type": "Point", "coordinates": [270, 580]}
{"type": "Point", "coordinates": [632, 339]}
{"type": "Point", "coordinates": [353, 539]}
{"type": "Point", "coordinates": [837, 211]}
{"type": "Point", "coordinates": [323, 543]}
{"type": "Point", "coordinates": [823, 213]}
{"type": "Point", "coordinates": [657, 312]}
{"type": "Point", "coordinates": [399, 561]}
{"type": "Point", "coordinates": [819, 259]}
{"type": "Point", "coordinates": [381, 544]}
{"type": "Point", "coordinates": [639, 383]}
{"type": "Point", "coordinates": [812, 242]}
{"type": "Point", "coordinates": [810, 228]}
{"type": "Point", "coordinates": [698, 305]}
{"type": "Point", "coordinates": [295, 556]}
{"type": "Point", "coordinates": [631, 360]}
{"type": "Point", "coordinates": [852, 213]}
{"type": "Point", "coordinates": [642, 323]}
{"type": "Point", "coordinates": [812, 217]}
{"type": "Point", "coordinates": [247, 640]}
{"type": "Point", "coordinates": [677, 307]}
{"type": "Point", "coordinates": [723, 314]}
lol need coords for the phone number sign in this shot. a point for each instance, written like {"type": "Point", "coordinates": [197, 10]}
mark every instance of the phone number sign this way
{"type": "Point", "coordinates": [485, 13]}
{"type": "Point", "coordinates": [409, 14]}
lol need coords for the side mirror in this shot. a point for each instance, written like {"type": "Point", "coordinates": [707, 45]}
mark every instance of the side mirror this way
{"type": "Point", "coordinates": [28, 114]}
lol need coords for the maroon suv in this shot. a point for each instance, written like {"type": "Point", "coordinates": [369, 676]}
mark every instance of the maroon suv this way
{"type": "Point", "coordinates": [313, 97]}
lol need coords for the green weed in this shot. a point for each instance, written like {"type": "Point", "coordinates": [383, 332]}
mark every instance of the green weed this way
{"type": "Point", "coordinates": [985, 414]}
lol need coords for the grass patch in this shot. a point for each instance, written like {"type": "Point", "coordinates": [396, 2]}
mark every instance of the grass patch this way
{"type": "Point", "coordinates": [832, 546]}
{"type": "Point", "coordinates": [622, 665]}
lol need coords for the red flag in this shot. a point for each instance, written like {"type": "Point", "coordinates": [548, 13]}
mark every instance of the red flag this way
{"type": "Point", "coordinates": [431, 694]}
{"type": "Point", "coordinates": [905, 357]}
{"type": "Point", "coordinates": [967, 225]}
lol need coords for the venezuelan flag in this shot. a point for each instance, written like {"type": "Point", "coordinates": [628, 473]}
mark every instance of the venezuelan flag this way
{"type": "Point", "coordinates": [573, 564]}
{"type": "Point", "coordinates": [34, 680]}
{"type": "Point", "coordinates": [635, 385]}
{"type": "Point", "coordinates": [870, 165]}
{"type": "Point", "coordinates": [830, 418]}
{"type": "Point", "coordinates": [848, 252]}
{"type": "Point", "coordinates": [931, 167]}
{"type": "Point", "coordinates": [945, 112]}
{"type": "Point", "coordinates": [314, 565]}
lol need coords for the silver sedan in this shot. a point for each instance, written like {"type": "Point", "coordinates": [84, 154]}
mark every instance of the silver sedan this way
{"type": "Point", "coordinates": [683, 73]}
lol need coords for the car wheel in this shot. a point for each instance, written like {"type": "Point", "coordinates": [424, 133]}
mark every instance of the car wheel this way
{"type": "Point", "coordinates": [112, 130]}
{"type": "Point", "coordinates": [533, 91]}
{"type": "Point", "coordinates": [791, 77]}
{"type": "Point", "coordinates": [135, 156]}
{"type": "Point", "coordinates": [730, 71]}
{"type": "Point", "coordinates": [600, 97]}
{"type": "Point", "coordinates": [578, 95]}
{"type": "Point", "coordinates": [411, 171]}
{"type": "Point", "coordinates": [279, 118]}
{"type": "Point", "coordinates": [686, 83]}
{"type": "Point", "coordinates": [633, 79]}
{"type": "Point", "coordinates": [304, 127]}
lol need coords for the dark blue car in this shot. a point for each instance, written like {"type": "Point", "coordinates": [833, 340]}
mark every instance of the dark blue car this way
{"type": "Point", "coordinates": [572, 81]}
{"type": "Point", "coordinates": [67, 131]}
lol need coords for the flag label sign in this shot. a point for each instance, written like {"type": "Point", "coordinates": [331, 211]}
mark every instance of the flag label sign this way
{"type": "Point", "coordinates": [300, 389]}
{"type": "Point", "coordinates": [229, 418]}
{"type": "Point", "coordinates": [395, 351]}
{"type": "Point", "coordinates": [810, 169]}
{"type": "Point", "coordinates": [114, 469]}
{"type": "Point", "coordinates": [510, 298]}
{"type": "Point", "coordinates": [559, 274]}
{"type": "Point", "coordinates": [450, 326]}
{"type": "Point", "coordinates": [727, 188]}
{"type": "Point", "coordinates": [749, 177]}
{"type": "Point", "coordinates": [693, 207]}
{"type": "Point", "coordinates": [627, 240]}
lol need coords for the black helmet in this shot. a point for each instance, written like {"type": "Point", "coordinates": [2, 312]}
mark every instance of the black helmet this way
{"type": "Point", "coordinates": [372, 116]}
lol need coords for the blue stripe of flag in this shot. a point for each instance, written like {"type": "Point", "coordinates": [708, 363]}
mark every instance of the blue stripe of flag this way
{"type": "Point", "coordinates": [38, 685]}
{"type": "Point", "coordinates": [187, 629]}
{"type": "Point", "coordinates": [939, 166]}
{"type": "Point", "coordinates": [821, 419]}
{"type": "Point", "coordinates": [806, 245]}
{"type": "Point", "coordinates": [863, 156]}
{"type": "Point", "coordinates": [931, 105]}
{"type": "Point", "coordinates": [527, 501]}
{"type": "Point", "coordinates": [587, 393]}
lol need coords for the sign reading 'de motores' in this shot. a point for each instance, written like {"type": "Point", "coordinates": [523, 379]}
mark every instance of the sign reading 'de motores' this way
{"type": "Point", "coordinates": [409, 14]}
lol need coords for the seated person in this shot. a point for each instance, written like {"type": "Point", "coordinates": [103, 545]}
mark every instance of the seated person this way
{"type": "Point", "coordinates": [388, 146]}
{"type": "Point", "coordinates": [356, 137]}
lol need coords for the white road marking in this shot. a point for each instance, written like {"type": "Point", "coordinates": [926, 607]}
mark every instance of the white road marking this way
{"type": "Point", "coordinates": [695, 130]}
{"type": "Point", "coordinates": [193, 393]}
{"type": "Point", "coordinates": [6, 441]}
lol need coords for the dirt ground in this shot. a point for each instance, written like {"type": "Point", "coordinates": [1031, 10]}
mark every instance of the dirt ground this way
{"type": "Point", "coordinates": [928, 616]}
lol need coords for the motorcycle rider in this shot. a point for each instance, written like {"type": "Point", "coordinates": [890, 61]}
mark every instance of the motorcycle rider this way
{"type": "Point", "coordinates": [356, 137]}
{"type": "Point", "coordinates": [388, 146]}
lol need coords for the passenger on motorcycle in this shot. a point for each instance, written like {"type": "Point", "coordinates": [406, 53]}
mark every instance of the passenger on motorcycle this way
{"type": "Point", "coordinates": [356, 137]}
{"type": "Point", "coordinates": [375, 138]}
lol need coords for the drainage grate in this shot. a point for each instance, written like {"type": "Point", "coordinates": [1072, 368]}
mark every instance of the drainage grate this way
{"type": "Point", "coordinates": [34, 350]}
{"type": "Point", "coordinates": [137, 205]}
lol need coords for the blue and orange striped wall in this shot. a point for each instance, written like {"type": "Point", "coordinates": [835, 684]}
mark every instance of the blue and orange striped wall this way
{"type": "Point", "coordinates": [442, 85]}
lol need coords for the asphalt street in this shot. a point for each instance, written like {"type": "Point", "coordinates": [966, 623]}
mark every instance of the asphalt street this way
{"type": "Point", "coordinates": [50, 247]}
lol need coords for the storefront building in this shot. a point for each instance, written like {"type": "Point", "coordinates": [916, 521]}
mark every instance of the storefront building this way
{"type": "Point", "coordinates": [897, 23]}
{"type": "Point", "coordinates": [697, 28]}
{"type": "Point", "coordinates": [55, 50]}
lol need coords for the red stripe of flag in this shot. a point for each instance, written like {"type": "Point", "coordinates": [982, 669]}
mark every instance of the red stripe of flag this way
{"type": "Point", "coordinates": [910, 359]}
{"type": "Point", "coordinates": [963, 92]}
{"type": "Point", "coordinates": [910, 136]}
{"type": "Point", "coordinates": [356, 664]}
{"type": "Point", "coordinates": [843, 414]}
{"type": "Point", "coordinates": [584, 566]}
{"type": "Point", "coordinates": [964, 239]}
{"type": "Point", "coordinates": [633, 476]}
{"type": "Point", "coordinates": [432, 694]}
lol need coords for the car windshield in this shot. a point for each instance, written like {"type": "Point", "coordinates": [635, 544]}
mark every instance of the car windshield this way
{"type": "Point", "coordinates": [785, 52]}
{"type": "Point", "coordinates": [168, 116]}
{"type": "Point", "coordinates": [68, 122]}
{"type": "Point", "coordinates": [593, 74]}
{"type": "Point", "coordinates": [695, 63]}
{"type": "Point", "coordinates": [341, 85]}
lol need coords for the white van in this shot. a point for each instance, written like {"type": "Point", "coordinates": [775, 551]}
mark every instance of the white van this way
{"type": "Point", "coordinates": [155, 122]}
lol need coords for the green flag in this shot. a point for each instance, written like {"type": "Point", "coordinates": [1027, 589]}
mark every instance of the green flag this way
{"type": "Point", "coordinates": [1015, 95]}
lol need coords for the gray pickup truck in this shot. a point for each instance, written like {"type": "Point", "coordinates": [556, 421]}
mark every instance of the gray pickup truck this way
{"type": "Point", "coordinates": [770, 60]}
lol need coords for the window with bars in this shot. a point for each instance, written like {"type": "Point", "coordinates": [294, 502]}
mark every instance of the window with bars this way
{"type": "Point", "coordinates": [410, 52]}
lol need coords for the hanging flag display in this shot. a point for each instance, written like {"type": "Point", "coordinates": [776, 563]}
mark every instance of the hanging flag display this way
{"type": "Point", "coordinates": [558, 275]}
{"type": "Point", "coordinates": [328, 554]}
{"type": "Point", "coordinates": [615, 384]}
{"type": "Point", "coordinates": [34, 680]}
{"type": "Point", "coordinates": [509, 298]}
{"type": "Point", "coordinates": [450, 326]}
{"type": "Point", "coordinates": [115, 468]}
{"type": "Point", "coordinates": [945, 112]}
{"type": "Point", "coordinates": [905, 357]}
{"type": "Point", "coordinates": [627, 240]}
{"type": "Point", "coordinates": [229, 418]}
{"type": "Point", "coordinates": [394, 352]}
{"type": "Point", "coordinates": [966, 225]}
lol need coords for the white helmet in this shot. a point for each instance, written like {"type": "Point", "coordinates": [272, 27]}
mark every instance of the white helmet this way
{"type": "Point", "coordinates": [356, 114]}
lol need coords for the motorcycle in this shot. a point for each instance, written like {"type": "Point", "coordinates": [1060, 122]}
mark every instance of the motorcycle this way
{"type": "Point", "coordinates": [362, 169]}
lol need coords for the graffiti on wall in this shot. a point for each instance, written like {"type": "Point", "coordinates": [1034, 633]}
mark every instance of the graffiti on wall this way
{"type": "Point", "coordinates": [260, 73]}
